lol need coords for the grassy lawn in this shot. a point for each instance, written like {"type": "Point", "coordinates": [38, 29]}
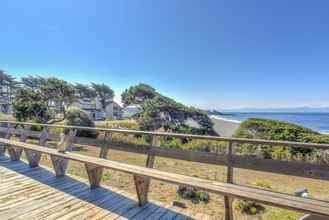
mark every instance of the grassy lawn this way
{"type": "Point", "coordinates": [166, 193]}
{"type": "Point", "coordinates": [5, 117]}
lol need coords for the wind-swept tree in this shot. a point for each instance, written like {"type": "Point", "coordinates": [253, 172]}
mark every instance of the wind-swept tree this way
{"type": "Point", "coordinates": [7, 85]}
{"type": "Point", "coordinates": [159, 111]}
{"type": "Point", "coordinates": [138, 94]}
{"type": "Point", "coordinates": [104, 93]}
{"type": "Point", "coordinates": [33, 82]}
{"type": "Point", "coordinates": [84, 91]}
{"type": "Point", "coordinates": [47, 104]}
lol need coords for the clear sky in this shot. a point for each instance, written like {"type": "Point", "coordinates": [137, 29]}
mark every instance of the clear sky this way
{"type": "Point", "coordinates": [208, 53]}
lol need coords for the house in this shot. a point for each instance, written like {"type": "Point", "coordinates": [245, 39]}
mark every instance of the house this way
{"type": "Point", "coordinates": [113, 110]}
{"type": "Point", "coordinates": [94, 108]}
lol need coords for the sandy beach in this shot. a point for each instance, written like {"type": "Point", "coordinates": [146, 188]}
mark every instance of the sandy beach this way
{"type": "Point", "coordinates": [224, 127]}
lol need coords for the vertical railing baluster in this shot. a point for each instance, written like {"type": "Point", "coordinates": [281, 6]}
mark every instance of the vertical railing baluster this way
{"type": "Point", "coordinates": [228, 201]}
{"type": "Point", "coordinates": [34, 157]}
{"type": "Point", "coordinates": [65, 142]}
{"type": "Point", "coordinates": [3, 147]}
{"type": "Point", "coordinates": [104, 148]}
{"type": "Point", "coordinates": [94, 172]}
{"type": "Point", "coordinates": [143, 183]}
{"type": "Point", "coordinates": [16, 152]}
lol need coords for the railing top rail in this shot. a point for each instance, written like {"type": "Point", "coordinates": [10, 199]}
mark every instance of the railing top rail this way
{"type": "Point", "coordinates": [168, 134]}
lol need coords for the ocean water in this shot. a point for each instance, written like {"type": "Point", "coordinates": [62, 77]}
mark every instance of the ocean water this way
{"type": "Point", "coordinates": [316, 121]}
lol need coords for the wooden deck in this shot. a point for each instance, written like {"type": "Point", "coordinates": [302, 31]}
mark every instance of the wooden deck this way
{"type": "Point", "coordinates": [35, 193]}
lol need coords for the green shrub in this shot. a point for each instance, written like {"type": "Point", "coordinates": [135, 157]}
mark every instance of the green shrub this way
{"type": "Point", "coordinates": [202, 196]}
{"type": "Point", "coordinates": [36, 127]}
{"type": "Point", "coordinates": [205, 145]}
{"type": "Point", "coordinates": [171, 143]}
{"type": "Point", "coordinates": [248, 207]}
{"type": "Point", "coordinates": [263, 184]}
{"type": "Point", "coordinates": [277, 130]}
{"type": "Point", "coordinates": [192, 193]}
{"type": "Point", "coordinates": [57, 131]}
{"type": "Point", "coordinates": [79, 117]}
{"type": "Point", "coordinates": [107, 176]}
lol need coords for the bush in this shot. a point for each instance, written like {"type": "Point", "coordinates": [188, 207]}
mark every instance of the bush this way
{"type": "Point", "coordinates": [175, 143]}
{"type": "Point", "coordinates": [79, 117]}
{"type": "Point", "coordinates": [277, 130]}
{"type": "Point", "coordinates": [248, 207]}
{"type": "Point", "coordinates": [262, 184]}
{"type": "Point", "coordinates": [193, 194]}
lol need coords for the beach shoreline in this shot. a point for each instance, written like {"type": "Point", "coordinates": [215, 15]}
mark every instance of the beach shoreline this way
{"type": "Point", "coordinates": [224, 127]}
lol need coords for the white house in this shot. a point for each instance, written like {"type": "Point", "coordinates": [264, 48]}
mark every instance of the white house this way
{"type": "Point", "coordinates": [94, 107]}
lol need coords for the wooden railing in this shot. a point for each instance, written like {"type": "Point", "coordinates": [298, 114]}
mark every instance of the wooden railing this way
{"type": "Point", "coordinates": [142, 177]}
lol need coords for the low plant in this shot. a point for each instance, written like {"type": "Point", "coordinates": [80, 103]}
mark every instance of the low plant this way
{"type": "Point", "coordinates": [248, 207]}
{"type": "Point", "coordinates": [192, 193]}
{"type": "Point", "coordinates": [262, 184]}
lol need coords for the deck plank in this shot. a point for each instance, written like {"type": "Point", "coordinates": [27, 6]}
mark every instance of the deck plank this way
{"type": "Point", "coordinates": [35, 193]}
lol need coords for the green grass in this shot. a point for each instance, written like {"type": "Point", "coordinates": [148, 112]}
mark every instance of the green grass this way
{"type": "Point", "coordinates": [5, 117]}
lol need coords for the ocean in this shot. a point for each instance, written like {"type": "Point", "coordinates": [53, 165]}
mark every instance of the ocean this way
{"type": "Point", "coordinates": [316, 121]}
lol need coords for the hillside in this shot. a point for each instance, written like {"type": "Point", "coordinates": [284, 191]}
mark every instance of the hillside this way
{"type": "Point", "coordinates": [277, 130]}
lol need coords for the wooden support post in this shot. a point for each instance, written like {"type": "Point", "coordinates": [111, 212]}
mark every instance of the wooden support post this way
{"type": "Point", "coordinates": [59, 163]}
{"type": "Point", "coordinates": [16, 152]}
{"type": "Point", "coordinates": [33, 157]}
{"type": "Point", "coordinates": [228, 201]}
{"type": "Point", "coordinates": [95, 173]}
{"type": "Point", "coordinates": [66, 140]}
{"type": "Point", "coordinates": [7, 136]}
{"type": "Point", "coordinates": [142, 183]}
{"type": "Point", "coordinates": [105, 147]}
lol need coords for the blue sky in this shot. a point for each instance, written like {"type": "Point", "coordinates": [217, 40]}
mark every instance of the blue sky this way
{"type": "Point", "coordinates": [207, 53]}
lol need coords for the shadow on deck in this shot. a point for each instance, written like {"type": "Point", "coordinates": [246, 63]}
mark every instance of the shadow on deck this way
{"type": "Point", "coordinates": [35, 193]}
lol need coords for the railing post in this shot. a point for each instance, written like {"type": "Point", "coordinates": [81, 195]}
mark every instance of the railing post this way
{"type": "Point", "coordinates": [33, 157]}
{"type": "Point", "coordinates": [228, 201]}
{"type": "Point", "coordinates": [59, 163]}
{"type": "Point", "coordinates": [143, 183]}
{"type": "Point", "coordinates": [16, 152]}
{"type": "Point", "coordinates": [94, 172]}
{"type": "Point", "coordinates": [7, 136]}
{"type": "Point", "coordinates": [105, 147]}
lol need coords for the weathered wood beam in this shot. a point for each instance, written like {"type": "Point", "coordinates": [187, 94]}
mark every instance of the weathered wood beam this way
{"type": "Point", "coordinates": [6, 135]}
{"type": "Point", "coordinates": [59, 163]}
{"type": "Point", "coordinates": [142, 183]}
{"type": "Point", "coordinates": [104, 146]}
{"type": "Point", "coordinates": [95, 173]}
{"type": "Point", "coordinates": [142, 186]}
{"type": "Point", "coordinates": [34, 157]}
{"type": "Point", "coordinates": [16, 152]}
{"type": "Point", "coordinates": [228, 201]}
